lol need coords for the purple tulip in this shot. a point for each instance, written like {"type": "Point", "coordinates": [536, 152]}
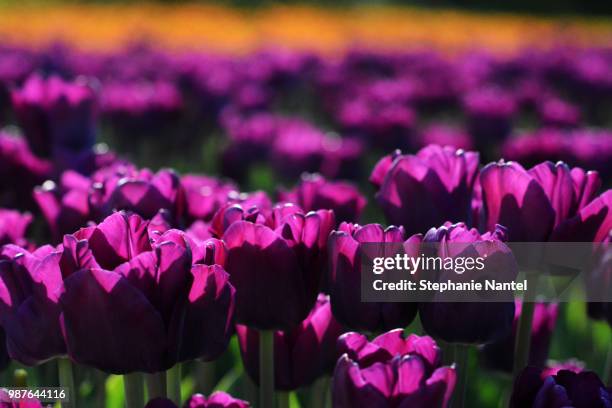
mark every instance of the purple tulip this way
{"type": "Point", "coordinates": [587, 148]}
{"type": "Point", "coordinates": [301, 354]}
{"type": "Point", "coordinates": [391, 371]}
{"type": "Point", "coordinates": [429, 188]}
{"type": "Point", "coordinates": [539, 203]}
{"type": "Point", "coordinates": [558, 113]}
{"type": "Point", "coordinates": [30, 287]}
{"type": "Point", "coordinates": [563, 389]}
{"type": "Point", "coordinates": [20, 171]}
{"type": "Point", "coordinates": [554, 367]}
{"type": "Point", "coordinates": [344, 280]}
{"type": "Point", "coordinates": [298, 147]}
{"type": "Point", "coordinates": [78, 199]}
{"type": "Point", "coordinates": [489, 112]}
{"type": "Point", "coordinates": [275, 262]}
{"type": "Point", "coordinates": [204, 196]}
{"type": "Point", "coordinates": [445, 136]}
{"type": "Point", "coordinates": [315, 193]}
{"type": "Point", "coordinates": [140, 106]}
{"type": "Point", "coordinates": [469, 322]}
{"type": "Point", "coordinates": [56, 115]}
{"type": "Point", "coordinates": [218, 399]}
{"type": "Point", "coordinates": [119, 278]}
{"type": "Point", "coordinates": [385, 125]}
{"type": "Point", "coordinates": [499, 355]}
{"type": "Point", "coordinates": [13, 226]}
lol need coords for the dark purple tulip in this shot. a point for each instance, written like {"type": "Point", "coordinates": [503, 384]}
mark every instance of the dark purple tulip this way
{"type": "Point", "coordinates": [275, 263]}
{"type": "Point", "coordinates": [119, 278]}
{"type": "Point", "coordinates": [470, 322]}
{"type": "Point", "coordinates": [218, 399]}
{"type": "Point", "coordinates": [20, 171]}
{"type": "Point", "coordinates": [56, 115]}
{"type": "Point", "coordinates": [13, 226]}
{"type": "Point", "coordinates": [385, 125]}
{"type": "Point", "coordinates": [587, 148]}
{"type": "Point", "coordinates": [563, 389]}
{"type": "Point", "coordinates": [298, 147]}
{"type": "Point", "coordinates": [489, 112]}
{"type": "Point", "coordinates": [429, 188]}
{"type": "Point", "coordinates": [30, 287]}
{"type": "Point", "coordinates": [558, 113]}
{"type": "Point", "coordinates": [255, 207]}
{"type": "Point", "coordinates": [204, 196]}
{"type": "Point", "coordinates": [535, 203]}
{"type": "Point", "coordinates": [344, 280]}
{"type": "Point", "coordinates": [315, 193]}
{"type": "Point", "coordinates": [445, 136]}
{"type": "Point", "coordinates": [499, 355]}
{"type": "Point", "coordinates": [391, 371]}
{"type": "Point", "coordinates": [301, 354]}
{"type": "Point", "coordinates": [140, 106]}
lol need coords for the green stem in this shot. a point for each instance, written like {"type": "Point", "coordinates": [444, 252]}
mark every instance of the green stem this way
{"type": "Point", "coordinates": [66, 380]}
{"type": "Point", "coordinates": [319, 393]}
{"type": "Point", "coordinates": [523, 335]}
{"type": "Point", "coordinates": [607, 373]}
{"type": "Point", "coordinates": [156, 385]}
{"type": "Point", "coordinates": [205, 372]}
{"type": "Point", "coordinates": [462, 353]}
{"type": "Point", "coordinates": [173, 384]}
{"type": "Point", "coordinates": [133, 384]}
{"type": "Point", "coordinates": [283, 400]}
{"type": "Point", "coordinates": [266, 369]}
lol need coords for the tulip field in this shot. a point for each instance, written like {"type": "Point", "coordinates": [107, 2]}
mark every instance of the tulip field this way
{"type": "Point", "coordinates": [188, 194]}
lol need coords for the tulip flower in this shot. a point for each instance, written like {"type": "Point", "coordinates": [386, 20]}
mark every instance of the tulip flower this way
{"type": "Point", "coordinates": [204, 196]}
{"type": "Point", "coordinates": [489, 112]}
{"type": "Point", "coordinates": [500, 354]}
{"type": "Point", "coordinates": [537, 204]}
{"type": "Point", "coordinates": [20, 171]}
{"type": "Point", "coordinates": [563, 389]}
{"type": "Point", "coordinates": [344, 280]}
{"type": "Point", "coordinates": [429, 188]}
{"type": "Point", "coordinates": [469, 322]}
{"type": "Point", "coordinates": [13, 226]}
{"type": "Point", "coordinates": [275, 262]}
{"type": "Point", "coordinates": [56, 115]}
{"type": "Point", "coordinates": [218, 399]}
{"type": "Point", "coordinates": [586, 148]}
{"type": "Point", "coordinates": [30, 287]}
{"type": "Point", "coordinates": [559, 113]}
{"type": "Point", "coordinates": [119, 280]}
{"type": "Point", "coordinates": [391, 371]}
{"type": "Point", "coordinates": [301, 354]}
{"type": "Point", "coordinates": [445, 136]}
{"type": "Point", "coordinates": [316, 193]}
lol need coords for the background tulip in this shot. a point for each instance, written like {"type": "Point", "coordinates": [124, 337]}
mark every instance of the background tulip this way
{"type": "Point", "coordinates": [13, 226]}
{"type": "Point", "coordinates": [344, 282]}
{"type": "Point", "coordinates": [316, 193]}
{"type": "Point", "coordinates": [392, 370]}
{"type": "Point", "coordinates": [301, 354]}
{"type": "Point", "coordinates": [429, 188]}
{"type": "Point", "coordinates": [56, 115]}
